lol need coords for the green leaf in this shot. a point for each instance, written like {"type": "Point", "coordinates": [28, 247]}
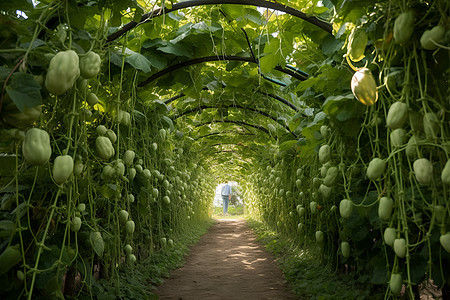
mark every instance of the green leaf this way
{"type": "Point", "coordinates": [355, 14]}
{"type": "Point", "coordinates": [12, 189]}
{"type": "Point", "coordinates": [4, 72]}
{"type": "Point", "coordinates": [36, 43]}
{"type": "Point", "coordinates": [233, 12]}
{"type": "Point", "coordinates": [6, 201]}
{"type": "Point", "coordinates": [311, 128]}
{"type": "Point", "coordinates": [319, 9]}
{"type": "Point", "coordinates": [301, 142]}
{"type": "Point", "coordinates": [287, 145]}
{"type": "Point", "coordinates": [282, 121]}
{"type": "Point", "coordinates": [97, 242]}
{"type": "Point", "coordinates": [115, 20]}
{"type": "Point", "coordinates": [203, 130]}
{"type": "Point", "coordinates": [24, 90]}
{"type": "Point", "coordinates": [107, 191]}
{"type": "Point", "coordinates": [272, 56]}
{"type": "Point", "coordinates": [201, 27]}
{"type": "Point", "coordinates": [302, 86]}
{"type": "Point", "coordinates": [331, 104]}
{"type": "Point", "coordinates": [330, 45]}
{"type": "Point", "coordinates": [116, 59]}
{"type": "Point", "coordinates": [7, 228]}
{"type": "Point", "coordinates": [82, 35]}
{"type": "Point", "coordinates": [21, 210]}
{"type": "Point", "coordinates": [78, 15]}
{"type": "Point", "coordinates": [214, 85]}
{"type": "Point", "coordinates": [156, 61]}
{"type": "Point", "coordinates": [215, 27]}
{"type": "Point", "coordinates": [23, 5]}
{"type": "Point", "coordinates": [8, 163]}
{"type": "Point", "coordinates": [139, 116]}
{"type": "Point", "coordinates": [138, 14]}
{"type": "Point", "coordinates": [169, 122]}
{"type": "Point", "coordinates": [179, 49]}
{"type": "Point", "coordinates": [153, 42]}
{"type": "Point", "coordinates": [160, 106]}
{"type": "Point", "coordinates": [180, 37]}
{"type": "Point", "coordinates": [139, 62]}
{"type": "Point", "coordinates": [319, 117]}
{"type": "Point", "coordinates": [344, 115]}
{"type": "Point", "coordinates": [295, 121]}
{"type": "Point", "coordinates": [175, 16]}
{"type": "Point", "coordinates": [233, 64]}
{"type": "Point", "coordinates": [254, 16]}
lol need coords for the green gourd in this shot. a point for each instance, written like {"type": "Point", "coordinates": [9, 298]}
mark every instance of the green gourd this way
{"type": "Point", "coordinates": [385, 208]}
{"type": "Point", "coordinates": [423, 169]}
{"type": "Point", "coordinates": [62, 168]}
{"type": "Point", "coordinates": [90, 65]}
{"type": "Point", "coordinates": [376, 168]}
{"type": "Point", "coordinates": [62, 72]}
{"type": "Point", "coordinates": [345, 208]}
{"type": "Point", "coordinates": [404, 27]}
{"type": "Point", "coordinates": [36, 147]}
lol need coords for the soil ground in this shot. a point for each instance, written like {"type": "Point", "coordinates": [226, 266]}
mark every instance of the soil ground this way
{"type": "Point", "coordinates": [227, 263]}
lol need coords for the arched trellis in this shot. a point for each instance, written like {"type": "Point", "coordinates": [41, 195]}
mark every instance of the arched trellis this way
{"type": "Point", "coordinates": [192, 3]}
{"type": "Point", "coordinates": [224, 132]}
{"type": "Point", "coordinates": [225, 151]}
{"type": "Point", "coordinates": [259, 127]}
{"type": "Point", "coordinates": [276, 97]}
{"type": "Point", "coordinates": [215, 165]}
{"type": "Point", "coordinates": [237, 158]}
{"type": "Point", "coordinates": [232, 144]}
{"type": "Point", "coordinates": [282, 100]}
{"type": "Point", "coordinates": [221, 165]}
{"type": "Point", "coordinates": [202, 107]}
{"type": "Point", "coordinates": [289, 71]}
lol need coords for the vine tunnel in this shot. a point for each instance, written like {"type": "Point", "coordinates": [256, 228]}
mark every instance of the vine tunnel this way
{"type": "Point", "coordinates": [332, 115]}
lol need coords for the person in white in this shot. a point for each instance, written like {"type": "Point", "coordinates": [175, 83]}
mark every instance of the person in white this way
{"type": "Point", "coordinates": [226, 195]}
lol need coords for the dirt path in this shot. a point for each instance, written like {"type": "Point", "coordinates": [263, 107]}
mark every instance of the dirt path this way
{"type": "Point", "coordinates": [227, 263]}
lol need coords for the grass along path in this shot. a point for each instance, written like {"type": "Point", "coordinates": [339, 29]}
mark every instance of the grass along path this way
{"type": "Point", "coordinates": [307, 276]}
{"type": "Point", "coordinates": [227, 263]}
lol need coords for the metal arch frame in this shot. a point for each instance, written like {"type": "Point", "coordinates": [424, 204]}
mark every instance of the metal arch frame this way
{"type": "Point", "coordinates": [238, 158]}
{"type": "Point", "coordinates": [232, 144]}
{"type": "Point", "coordinates": [295, 74]}
{"type": "Point", "coordinates": [202, 107]}
{"type": "Point", "coordinates": [259, 127]}
{"type": "Point", "coordinates": [191, 3]}
{"type": "Point", "coordinates": [223, 132]}
{"type": "Point", "coordinates": [280, 99]}
{"type": "Point", "coordinates": [239, 166]}
{"type": "Point", "coordinates": [180, 95]}
{"type": "Point", "coordinates": [276, 97]}
{"type": "Point", "coordinates": [226, 151]}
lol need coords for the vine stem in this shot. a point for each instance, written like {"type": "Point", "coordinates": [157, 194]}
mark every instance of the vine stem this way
{"type": "Point", "coordinates": [351, 64]}
{"type": "Point", "coordinates": [41, 244]}
{"type": "Point", "coordinates": [17, 215]}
